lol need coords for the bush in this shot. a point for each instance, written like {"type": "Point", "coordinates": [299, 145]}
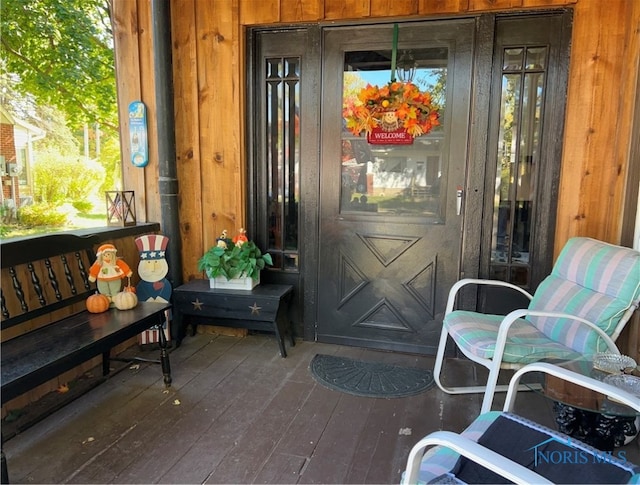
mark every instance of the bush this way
{"type": "Point", "coordinates": [83, 206]}
{"type": "Point", "coordinates": [42, 215]}
{"type": "Point", "coordinates": [59, 179]}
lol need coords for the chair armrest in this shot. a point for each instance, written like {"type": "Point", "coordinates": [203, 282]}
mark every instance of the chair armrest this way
{"type": "Point", "coordinates": [609, 390]}
{"type": "Point", "coordinates": [453, 292]}
{"type": "Point", "coordinates": [516, 314]}
{"type": "Point", "coordinates": [473, 451]}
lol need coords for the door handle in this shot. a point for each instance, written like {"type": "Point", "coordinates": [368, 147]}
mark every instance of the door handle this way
{"type": "Point", "coordinates": [459, 200]}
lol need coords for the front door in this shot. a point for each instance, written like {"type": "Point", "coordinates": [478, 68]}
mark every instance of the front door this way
{"type": "Point", "coordinates": [391, 216]}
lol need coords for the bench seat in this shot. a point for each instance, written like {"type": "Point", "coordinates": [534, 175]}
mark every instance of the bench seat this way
{"type": "Point", "coordinates": [40, 355]}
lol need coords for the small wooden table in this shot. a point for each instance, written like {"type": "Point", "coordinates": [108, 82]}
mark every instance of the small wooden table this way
{"type": "Point", "coordinates": [263, 308]}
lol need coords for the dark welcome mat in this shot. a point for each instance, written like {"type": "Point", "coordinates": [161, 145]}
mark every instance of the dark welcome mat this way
{"type": "Point", "coordinates": [369, 379]}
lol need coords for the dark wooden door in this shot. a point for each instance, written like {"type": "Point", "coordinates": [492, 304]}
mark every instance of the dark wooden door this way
{"type": "Point", "coordinates": [391, 216]}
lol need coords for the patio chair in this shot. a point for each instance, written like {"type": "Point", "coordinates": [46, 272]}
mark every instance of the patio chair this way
{"type": "Point", "coordinates": [500, 446]}
{"type": "Point", "coordinates": [579, 309]}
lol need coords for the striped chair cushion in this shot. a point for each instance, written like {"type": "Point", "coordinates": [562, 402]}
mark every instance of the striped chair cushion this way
{"type": "Point", "coordinates": [593, 280]}
{"type": "Point", "coordinates": [476, 333]}
{"type": "Point", "coordinates": [439, 461]}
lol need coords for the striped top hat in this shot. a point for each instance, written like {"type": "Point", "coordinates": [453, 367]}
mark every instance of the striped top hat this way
{"type": "Point", "coordinates": [152, 246]}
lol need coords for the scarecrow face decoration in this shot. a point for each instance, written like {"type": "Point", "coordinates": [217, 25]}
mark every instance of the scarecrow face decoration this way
{"type": "Point", "coordinates": [389, 121]}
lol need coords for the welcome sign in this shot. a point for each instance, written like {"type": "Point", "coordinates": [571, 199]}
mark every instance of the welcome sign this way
{"type": "Point", "coordinates": [380, 136]}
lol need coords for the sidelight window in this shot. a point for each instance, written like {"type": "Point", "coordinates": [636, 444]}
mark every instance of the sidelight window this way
{"type": "Point", "coordinates": [523, 79]}
{"type": "Point", "coordinates": [283, 159]}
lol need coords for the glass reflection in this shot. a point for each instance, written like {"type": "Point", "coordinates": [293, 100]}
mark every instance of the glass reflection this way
{"type": "Point", "coordinates": [394, 179]}
{"type": "Point", "coordinates": [518, 153]}
{"type": "Point", "coordinates": [283, 159]}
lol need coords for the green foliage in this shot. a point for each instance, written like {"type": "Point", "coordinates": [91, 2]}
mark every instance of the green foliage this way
{"type": "Point", "coordinates": [234, 260]}
{"type": "Point", "coordinates": [58, 179]}
{"type": "Point", "coordinates": [61, 52]}
{"type": "Point", "coordinates": [110, 159]}
{"type": "Point", "coordinates": [83, 206]}
{"type": "Point", "coordinates": [42, 215]}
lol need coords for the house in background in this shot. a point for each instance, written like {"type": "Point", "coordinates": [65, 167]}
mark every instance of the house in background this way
{"type": "Point", "coordinates": [16, 159]}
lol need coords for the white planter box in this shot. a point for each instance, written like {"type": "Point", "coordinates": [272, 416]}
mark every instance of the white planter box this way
{"type": "Point", "coordinates": [244, 283]}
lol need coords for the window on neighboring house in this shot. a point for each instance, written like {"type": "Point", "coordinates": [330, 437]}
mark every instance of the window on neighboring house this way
{"type": "Point", "coordinates": [21, 164]}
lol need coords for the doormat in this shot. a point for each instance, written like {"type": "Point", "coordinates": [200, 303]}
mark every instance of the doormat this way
{"type": "Point", "coordinates": [369, 379]}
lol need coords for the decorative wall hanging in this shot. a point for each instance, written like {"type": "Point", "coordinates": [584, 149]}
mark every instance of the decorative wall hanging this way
{"type": "Point", "coordinates": [138, 134]}
{"type": "Point", "coordinates": [393, 114]}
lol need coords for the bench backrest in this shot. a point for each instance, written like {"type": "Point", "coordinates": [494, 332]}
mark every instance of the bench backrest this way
{"type": "Point", "coordinates": [44, 278]}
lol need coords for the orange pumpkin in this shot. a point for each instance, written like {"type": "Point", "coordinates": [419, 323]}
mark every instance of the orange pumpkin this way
{"type": "Point", "coordinates": [98, 303]}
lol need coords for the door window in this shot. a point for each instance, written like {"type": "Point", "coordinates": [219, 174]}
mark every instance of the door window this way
{"type": "Point", "coordinates": [394, 179]}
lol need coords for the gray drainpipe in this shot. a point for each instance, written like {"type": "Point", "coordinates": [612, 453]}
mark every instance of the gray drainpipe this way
{"type": "Point", "coordinates": [168, 181]}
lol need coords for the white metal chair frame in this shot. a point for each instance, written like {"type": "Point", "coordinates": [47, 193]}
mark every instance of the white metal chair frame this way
{"type": "Point", "coordinates": [492, 460]}
{"type": "Point", "coordinates": [495, 364]}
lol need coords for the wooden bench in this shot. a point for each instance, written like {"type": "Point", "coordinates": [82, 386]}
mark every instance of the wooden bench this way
{"type": "Point", "coordinates": [46, 329]}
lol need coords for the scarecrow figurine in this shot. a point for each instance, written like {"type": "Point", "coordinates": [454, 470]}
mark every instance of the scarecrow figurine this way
{"type": "Point", "coordinates": [241, 237]}
{"type": "Point", "coordinates": [108, 270]}
{"type": "Point", "coordinates": [153, 268]}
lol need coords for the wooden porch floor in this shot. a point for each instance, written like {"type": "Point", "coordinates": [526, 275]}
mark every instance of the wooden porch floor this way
{"type": "Point", "coordinates": [238, 413]}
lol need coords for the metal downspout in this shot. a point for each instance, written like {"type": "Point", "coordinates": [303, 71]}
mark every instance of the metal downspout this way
{"type": "Point", "coordinates": [167, 170]}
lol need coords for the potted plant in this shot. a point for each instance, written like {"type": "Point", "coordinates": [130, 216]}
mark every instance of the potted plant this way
{"type": "Point", "coordinates": [234, 263]}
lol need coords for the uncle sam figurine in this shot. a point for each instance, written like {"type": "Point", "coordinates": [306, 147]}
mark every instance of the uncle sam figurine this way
{"type": "Point", "coordinates": [153, 269]}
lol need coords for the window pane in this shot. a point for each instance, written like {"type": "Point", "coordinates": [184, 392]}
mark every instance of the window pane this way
{"type": "Point", "coordinates": [518, 155]}
{"type": "Point", "coordinates": [394, 179]}
{"type": "Point", "coordinates": [283, 159]}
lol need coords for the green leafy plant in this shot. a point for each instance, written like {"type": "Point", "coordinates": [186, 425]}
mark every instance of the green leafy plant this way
{"type": "Point", "coordinates": [42, 215]}
{"type": "Point", "coordinates": [234, 260]}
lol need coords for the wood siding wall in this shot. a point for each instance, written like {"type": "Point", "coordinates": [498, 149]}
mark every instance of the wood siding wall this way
{"type": "Point", "coordinates": [209, 79]}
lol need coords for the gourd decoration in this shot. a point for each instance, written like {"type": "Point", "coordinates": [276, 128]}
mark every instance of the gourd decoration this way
{"type": "Point", "coordinates": [98, 303]}
{"type": "Point", "coordinates": [125, 300]}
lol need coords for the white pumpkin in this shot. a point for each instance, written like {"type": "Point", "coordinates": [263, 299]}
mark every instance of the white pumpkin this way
{"type": "Point", "coordinates": [125, 300]}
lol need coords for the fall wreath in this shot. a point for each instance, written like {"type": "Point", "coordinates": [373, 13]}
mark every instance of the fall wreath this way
{"type": "Point", "coordinates": [396, 105]}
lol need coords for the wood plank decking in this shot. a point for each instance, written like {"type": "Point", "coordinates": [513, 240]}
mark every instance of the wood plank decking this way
{"type": "Point", "coordinates": [239, 413]}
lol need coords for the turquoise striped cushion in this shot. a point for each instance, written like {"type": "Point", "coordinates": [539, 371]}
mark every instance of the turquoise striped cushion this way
{"type": "Point", "coordinates": [439, 460]}
{"type": "Point", "coordinates": [476, 334]}
{"type": "Point", "coordinates": [593, 280]}
{"type": "Point", "coordinates": [601, 267]}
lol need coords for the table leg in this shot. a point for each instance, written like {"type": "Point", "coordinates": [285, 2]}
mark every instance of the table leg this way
{"type": "Point", "coordinates": [164, 356]}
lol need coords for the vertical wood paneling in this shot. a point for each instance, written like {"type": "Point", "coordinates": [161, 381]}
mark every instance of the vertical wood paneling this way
{"type": "Point", "coordinates": [547, 3]}
{"type": "Point", "coordinates": [387, 8]}
{"type": "Point", "coordinates": [260, 11]}
{"type": "Point", "coordinates": [598, 122]}
{"type": "Point", "coordinates": [300, 10]}
{"type": "Point", "coordinates": [346, 9]}
{"type": "Point", "coordinates": [149, 174]}
{"type": "Point", "coordinates": [185, 85]}
{"type": "Point", "coordinates": [125, 28]}
{"type": "Point", "coordinates": [220, 121]}
{"type": "Point", "coordinates": [426, 7]}
{"type": "Point", "coordinates": [476, 5]}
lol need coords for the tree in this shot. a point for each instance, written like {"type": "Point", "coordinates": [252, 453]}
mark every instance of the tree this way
{"type": "Point", "coordinates": [61, 53]}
